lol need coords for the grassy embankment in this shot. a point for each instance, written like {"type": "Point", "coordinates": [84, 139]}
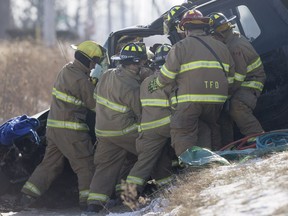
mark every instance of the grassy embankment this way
{"type": "Point", "coordinates": [27, 74]}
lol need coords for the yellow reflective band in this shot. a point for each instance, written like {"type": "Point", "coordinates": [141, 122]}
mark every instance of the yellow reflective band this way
{"type": "Point", "coordinates": [254, 65]}
{"type": "Point", "coordinates": [83, 194]}
{"type": "Point", "coordinates": [158, 83]}
{"type": "Point", "coordinates": [67, 125]}
{"type": "Point", "coordinates": [118, 187]}
{"type": "Point", "coordinates": [108, 133]}
{"type": "Point", "coordinates": [203, 64]}
{"type": "Point", "coordinates": [154, 124]}
{"type": "Point", "coordinates": [175, 163]}
{"type": "Point", "coordinates": [164, 181]}
{"type": "Point", "coordinates": [98, 197]}
{"type": "Point", "coordinates": [66, 98]}
{"type": "Point", "coordinates": [155, 102]}
{"type": "Point", "coordinates": [253, 84]}
{"type": "Point", "coordinates": [135, 180]}
{"type": "Point", "coordinates": [167, 73]}
{"type": "Point", "coordinates": [31, 187]}
{"type": "Point", "coordinates": [230, 80]}
{"type": "Point", "coordinates": [111, 105]}
{"type": "Point", "coordinates": [239, 77]}
{"type": "Point", "coordinates": [199, 98]}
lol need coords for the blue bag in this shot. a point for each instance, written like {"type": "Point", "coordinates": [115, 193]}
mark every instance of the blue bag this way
{"type": "Point", "coordinates": [17, 127]}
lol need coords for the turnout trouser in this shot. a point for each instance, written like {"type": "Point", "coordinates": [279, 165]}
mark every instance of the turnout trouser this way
{"type": "Point", "coordinates": [242, 104]}
{"type": "Point", "coordinates": [185, 125]}
{"type": "Point", "coordinates": [110, 156]}
{"type": "Point", "coordinates": [226, 127]}
{"type": "Point", "coordinates": [62, 143]}
{"type": "Point", "coordinates": [153, 158]}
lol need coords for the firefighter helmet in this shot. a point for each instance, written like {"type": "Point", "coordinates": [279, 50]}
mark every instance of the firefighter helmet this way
{"type": "Point", "coordinates": [131, 52]}
{"type": "Point", "coordinates": [194, 19]}
{"type": "Point", "coordinates": [161, 54]}
{"type": "Point", "coordinates": [219, 22]}
{"type": "Point", "coordinates": [90, 49]}
{"type": "Point", "coordinates": [175, 14]}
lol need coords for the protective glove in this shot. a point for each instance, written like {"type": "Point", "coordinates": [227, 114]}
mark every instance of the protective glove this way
{"type": "Point", "coordinates": [94, 80]}
{"type": "Point", "coordinates": [153, 86]}
{"type": "Point", "coordinates": [100, 68]}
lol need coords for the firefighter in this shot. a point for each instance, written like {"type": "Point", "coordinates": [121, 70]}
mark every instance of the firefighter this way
{"type": "Point", "coordinates": [249, 78]}
{"type": "Point", "coordinates": [118, 115]}
{"type": "Point", "coordinates": [146, 70]}
{"type": "Point", "coordinates": [67, 133]}
{"type": "Point", "coordinates": [199, 65]}
{"type": "Point", "coordinates": [153, 142]}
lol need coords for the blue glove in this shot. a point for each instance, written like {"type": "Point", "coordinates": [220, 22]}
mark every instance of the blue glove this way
{"type": "Point", "coordinates": [153, 86]}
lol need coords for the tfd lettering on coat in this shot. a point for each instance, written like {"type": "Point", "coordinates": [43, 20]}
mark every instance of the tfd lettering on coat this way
{"type": "Point", "coordinates": [211, 84]}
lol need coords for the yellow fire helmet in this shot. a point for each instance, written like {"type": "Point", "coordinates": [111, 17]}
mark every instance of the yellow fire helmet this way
{"type": "Point", "coordinates": [90, 49]}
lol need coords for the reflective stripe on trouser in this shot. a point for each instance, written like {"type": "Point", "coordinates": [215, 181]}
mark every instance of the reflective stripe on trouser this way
{"type": "Point", "coordinates": [59, 147]}
{"type": "Point", "coordinates": [164, 181]}
{"type": "Point", "coordinates": [83, 195]}
{"type": "Point", "coordinates": [97, 197]}
{"type": "Point", "coordinates": [153, 157]}
{"type": "Point", "coordinates": [110, 155]}
{"type": "Point", "coordinates": [30, 189]}
{"type": "Point", "coordinates": [185, 125]}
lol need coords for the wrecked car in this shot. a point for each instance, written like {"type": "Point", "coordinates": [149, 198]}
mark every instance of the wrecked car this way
{"type": "Point", "coordinates": [263, 22]}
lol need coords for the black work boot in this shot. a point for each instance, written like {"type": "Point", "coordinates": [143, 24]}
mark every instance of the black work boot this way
{"type": "Point", "coordinates": [94, 208]}
{"type": "Point", "coordinates": [24, 201]}
{"type": "Point", "coordinates": [83, 206]}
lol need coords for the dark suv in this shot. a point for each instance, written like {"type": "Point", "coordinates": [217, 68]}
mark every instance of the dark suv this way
{"type": "Point", "coordinates": [265, 24]}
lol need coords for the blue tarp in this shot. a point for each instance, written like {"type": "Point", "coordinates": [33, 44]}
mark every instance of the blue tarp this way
{"type": "Point", "coordinates": [18, 127]}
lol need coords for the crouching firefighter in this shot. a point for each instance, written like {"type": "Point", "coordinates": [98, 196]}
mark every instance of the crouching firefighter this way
{"type": "Point", "coordinates": [67, 133]}
{"type": "Point", "coordinates": [118, 115]}
{"type": "Point", "coordinates": [153, 142]}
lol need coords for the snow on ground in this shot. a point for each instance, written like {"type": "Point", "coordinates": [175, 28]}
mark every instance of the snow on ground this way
{"type": "Point", "coordinates": [258, 187]}
{"type": "Point", "coordinates": [252, 194]}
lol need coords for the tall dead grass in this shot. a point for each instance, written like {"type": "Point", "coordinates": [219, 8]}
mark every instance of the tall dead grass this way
{"type": "Point", "coordinates": [27, 73]}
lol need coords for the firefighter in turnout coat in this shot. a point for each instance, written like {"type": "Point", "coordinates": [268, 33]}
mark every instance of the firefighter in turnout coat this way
{"type": "Point", "coordinates": [118, 115]}
{"type": "Point", "coordinates": [202, 82]}
{"type": "Point", "coordinates": [153, 142]}
{"type": "Point", "coordinates": [67, 133]}
{"type": "Point", "coordinates": [249, 78]}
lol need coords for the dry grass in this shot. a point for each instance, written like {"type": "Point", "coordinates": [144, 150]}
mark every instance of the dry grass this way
{"type": "Point", "coordinates": [240, 185]}
{"type": "Point", "coordinates": [27, 73]}
{"type": "Point", "coordinates": [186, 194]}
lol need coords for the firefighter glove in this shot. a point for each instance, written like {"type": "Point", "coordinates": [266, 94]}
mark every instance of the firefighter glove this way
{"type": "Point", "coordinates": [153, 86]}
{"type": "Point", "coordinates": [94, 80]}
